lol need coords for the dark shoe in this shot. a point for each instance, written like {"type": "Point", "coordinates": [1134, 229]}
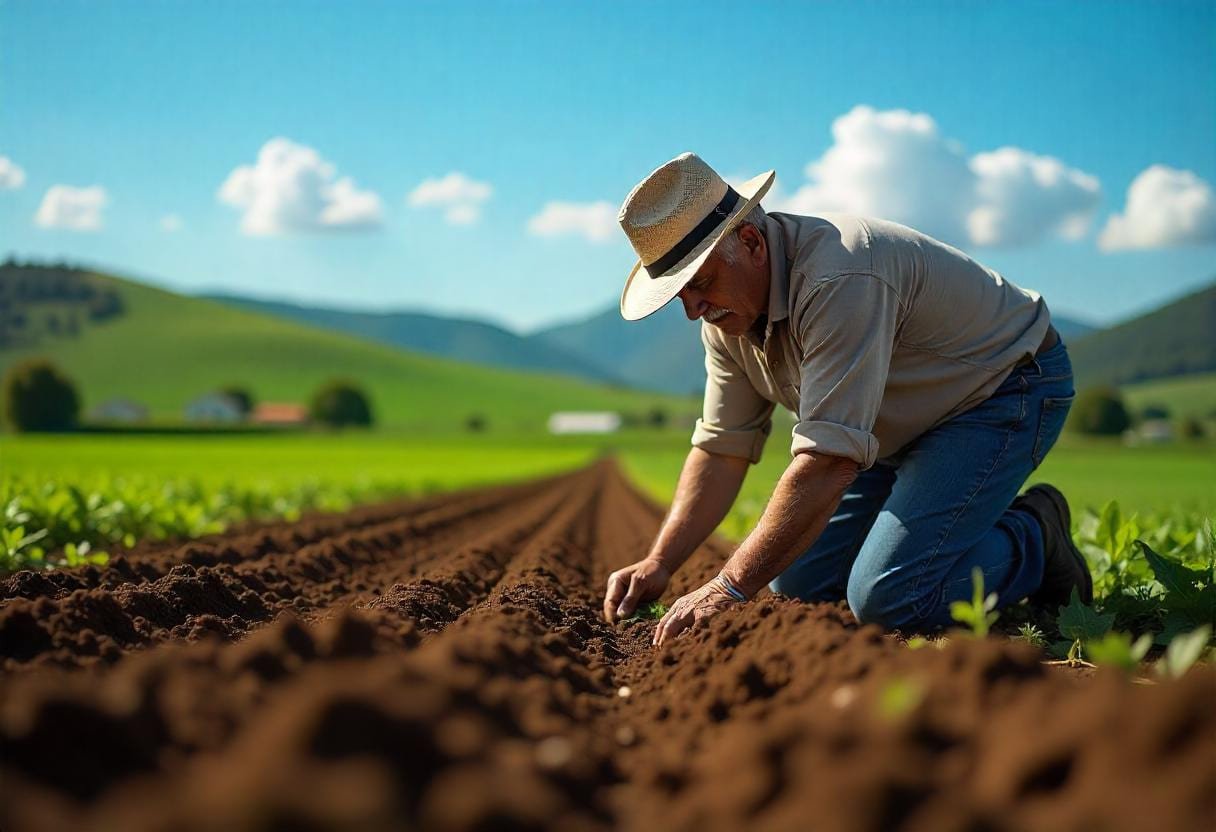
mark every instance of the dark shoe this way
{"type": "Point", "coordinates": [1064, 566]}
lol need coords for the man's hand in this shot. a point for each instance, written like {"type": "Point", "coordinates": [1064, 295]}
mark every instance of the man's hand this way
{"type": "Point", "coordinates": [692, 609]}
{"type": "Point", "coordinates": [636, 583]}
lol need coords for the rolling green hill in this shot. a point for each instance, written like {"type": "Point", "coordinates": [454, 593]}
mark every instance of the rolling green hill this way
{"type": "Point", "coordinates": [1177, 339]}
{"type": "Point", "coordinates": [164, 349]}
{"type": "Point", "coordinates": [459, 339]}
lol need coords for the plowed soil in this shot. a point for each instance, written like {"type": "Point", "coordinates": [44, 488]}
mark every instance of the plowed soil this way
{"type": "Point", "coordinates": [442, 664]}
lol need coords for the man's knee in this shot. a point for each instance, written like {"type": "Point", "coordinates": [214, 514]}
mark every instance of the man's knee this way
{"type": "Point", "coordinates": [882, 601]}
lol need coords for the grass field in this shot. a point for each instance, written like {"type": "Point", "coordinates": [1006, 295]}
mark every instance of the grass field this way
{"type": "Point", "coordinates": [1185, 396]}
{"type": "Point", "coordinates": [167, 349]}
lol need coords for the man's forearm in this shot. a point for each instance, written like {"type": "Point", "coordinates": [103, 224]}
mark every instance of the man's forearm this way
{"type": "Point", "coordinates": [805, 499]}
{"type": "Point", "coordinates": [707, 488]}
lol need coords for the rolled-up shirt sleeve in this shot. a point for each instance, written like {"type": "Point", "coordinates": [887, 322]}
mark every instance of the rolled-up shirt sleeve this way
{"type": "Point", "coordinates": [736, 419]}
{"type": "Point", "coordinates": [846, 327]}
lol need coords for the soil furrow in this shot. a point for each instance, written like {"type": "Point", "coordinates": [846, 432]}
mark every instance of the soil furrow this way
{"type": "Point", "coordinates": [460, 676]}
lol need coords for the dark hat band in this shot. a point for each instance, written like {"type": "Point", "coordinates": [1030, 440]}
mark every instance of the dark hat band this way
{"type": "Point", "coordinates": [681, 249]}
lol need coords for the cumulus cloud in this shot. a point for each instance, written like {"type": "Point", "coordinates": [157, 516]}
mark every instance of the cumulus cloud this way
{"type": "Point", "coordinates": [457, 195]}
{"type": "Point", "coordinates": [74, 209]}
{"type": "Point", "coordinates": [11, 175]}
{"type": "Point", "coordinates": [291, 188]}
{"type": "Point", "coordinates": [593, 221]}
{"type": "Point", "coordinates": [1024, 198]}
{"type": "Point", "coordinates": [897, 165]}
{"type": "Point", "coordinates": [1165, 207]}
{"type": "Point", "coordinates": [170, 223]}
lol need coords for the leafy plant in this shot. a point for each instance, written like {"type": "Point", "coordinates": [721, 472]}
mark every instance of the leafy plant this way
{"type": "Point", "coordinates": [1190, 594]}
{"type": "Point", "coordinates": [980, 612]}
{"type": "Point", "coordinates": [1080, 624]}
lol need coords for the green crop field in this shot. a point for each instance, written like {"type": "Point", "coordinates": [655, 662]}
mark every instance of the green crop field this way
{"type": "Point", "coordinates": [166, 350]}
{"type": "Point", "coordinates": [1143, 514]}
{"type": "Point", "coordinates": [91, 493]}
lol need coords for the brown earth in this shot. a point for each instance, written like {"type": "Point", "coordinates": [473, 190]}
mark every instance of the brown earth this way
{"type": "Point", "coordinates": [442, 664]}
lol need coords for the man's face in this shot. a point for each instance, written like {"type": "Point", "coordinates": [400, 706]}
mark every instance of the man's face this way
{"type": "Point", "coordinates": [731, 297]}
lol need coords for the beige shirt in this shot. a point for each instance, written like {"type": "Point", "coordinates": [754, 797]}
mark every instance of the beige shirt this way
{"type": "Point", "coordinates": [875, 333]}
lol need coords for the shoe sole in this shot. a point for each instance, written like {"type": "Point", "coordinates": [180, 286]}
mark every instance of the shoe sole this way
{"type": "Point", "coordinates": [1061, 504]}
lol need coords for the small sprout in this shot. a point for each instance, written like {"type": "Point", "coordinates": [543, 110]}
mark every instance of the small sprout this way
{"type": "Point", "coordinates": [1032, 635]}
{"type": "Point", "coordinates": [899, 697]}
{"type": "Point", "coordinates": [979, 613]}
{"type": "Point", "coordinates": [652, 611]}
{"type": "Point", "coordinates": [917, 642]}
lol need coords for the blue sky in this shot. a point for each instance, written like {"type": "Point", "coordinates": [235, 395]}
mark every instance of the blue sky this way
{"type": "Point", "coordinates": [157, 104]}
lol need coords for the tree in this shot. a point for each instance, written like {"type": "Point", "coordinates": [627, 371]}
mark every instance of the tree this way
{"type": "Point", "coordinates": [657, 417]}
{"type": "Point", "coordinates": [38, 397]}
{"type": "Point", "coordinates": [1192, 428]}
{"type": "Point", "coordinates": [1100, 411]}
{"type": "Point", "coordinates": [241, 396]}
{"type": "Point", "coordinates": [341, 403]}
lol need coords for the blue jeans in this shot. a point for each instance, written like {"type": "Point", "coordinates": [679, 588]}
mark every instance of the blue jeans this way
{"type": "Point", "coordinates": [907, 534]}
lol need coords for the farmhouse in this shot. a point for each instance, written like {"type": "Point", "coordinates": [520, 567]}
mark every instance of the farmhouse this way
{"type": "Point", "coordinates": [285, 414]}
{"type": "Point", "coordinates": [584, 422]}
{"type": "Point", "coordinates": [214, 407]}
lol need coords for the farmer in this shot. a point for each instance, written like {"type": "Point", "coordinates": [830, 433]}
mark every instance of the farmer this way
{"type": "Point", "coordinates": [926, 388]}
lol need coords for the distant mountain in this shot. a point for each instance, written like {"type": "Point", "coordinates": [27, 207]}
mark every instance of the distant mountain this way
{"type": "Point", "coordinates": [1176, 339]}
{"type": "Point", "coordinates": [662, 352]}
{"type": "Point", "coordinates": [463, 340]}
{"type": "Point", "coordinates": [1071, 330]}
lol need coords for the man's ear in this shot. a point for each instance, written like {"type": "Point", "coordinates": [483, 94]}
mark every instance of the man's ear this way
{"type": "Point", "coordinates": [754, 242]}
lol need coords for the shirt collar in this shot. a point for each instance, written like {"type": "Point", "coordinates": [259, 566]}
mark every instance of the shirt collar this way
{"type": "Point", "coordinates": [778, 284]}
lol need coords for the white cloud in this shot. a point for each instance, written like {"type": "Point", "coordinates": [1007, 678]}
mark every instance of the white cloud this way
{"type": "Point", "coordinates": [11, 175]}
{"type": "Point", "coordinates": [75, 209]}
{"type": "Point", "coordinates": [1024, 198]}
{"type": "Point", "coordinates": [459, 196]}
{"type": "Point", "coordinates": [170, 223]}
{"type": "Point", "coordinates": [291, 188]}
{"type": "Point", "coordinates": [594, 221]}
{"type": "Point", "coordinates": [897, 165]}
{"type": "Point", "coordinates": [1165, 207]}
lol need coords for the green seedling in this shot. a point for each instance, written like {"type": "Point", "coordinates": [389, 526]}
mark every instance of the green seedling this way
{"type": "Point", "coordinates": [1080, 625]}
{"type": "Point", "coordinates": [979, 614]}
{"type": "Point", "coordinates": [649, 612]}
{"type": "Point", "coordinates": [1032, 635]}
{"type": "Point", "coordinates": [1118, 650]}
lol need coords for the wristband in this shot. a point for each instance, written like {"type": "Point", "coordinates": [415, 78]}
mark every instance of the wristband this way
{"type": "Point", "coordinates": [730, 589]}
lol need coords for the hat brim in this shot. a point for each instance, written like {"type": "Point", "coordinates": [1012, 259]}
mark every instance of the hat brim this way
{"type": "Point", "coordinates": [644, 295]}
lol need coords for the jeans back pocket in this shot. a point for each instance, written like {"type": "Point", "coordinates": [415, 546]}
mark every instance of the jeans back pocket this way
{"type": "Point", "coordinates": [1051, 422]}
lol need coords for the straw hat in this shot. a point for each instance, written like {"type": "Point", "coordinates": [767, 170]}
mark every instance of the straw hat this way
{"type": "Point", "coordinates": [673, 219]}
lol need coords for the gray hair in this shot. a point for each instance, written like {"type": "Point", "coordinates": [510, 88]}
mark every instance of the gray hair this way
{"type": "Point", "coordinates": [730, 249]}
